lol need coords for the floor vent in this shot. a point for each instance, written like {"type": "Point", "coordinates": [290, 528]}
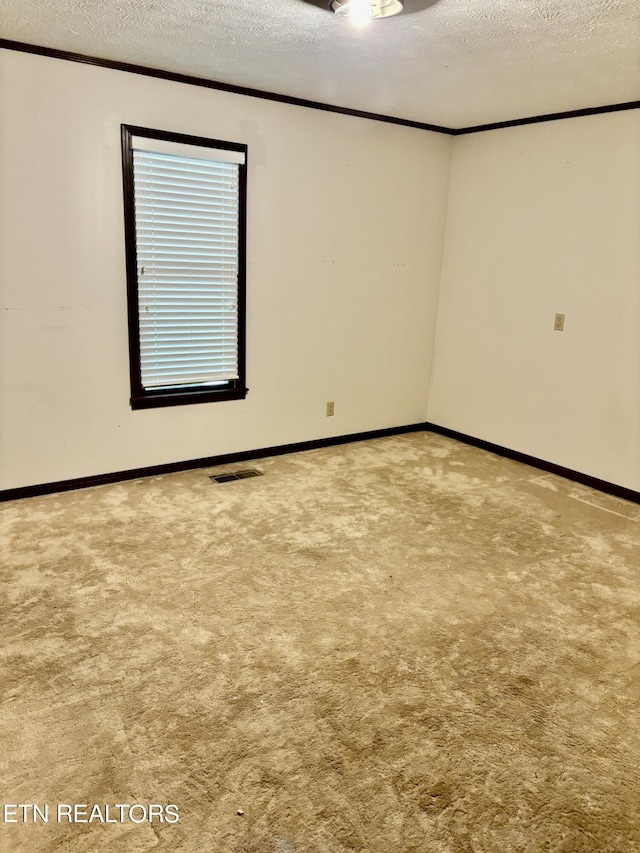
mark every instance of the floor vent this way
{"type": "Point", "coordinates": [236, 475]}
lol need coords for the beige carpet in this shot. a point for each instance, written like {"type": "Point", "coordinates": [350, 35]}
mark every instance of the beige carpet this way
{"type": "Point", "coordinates": [398, 646]}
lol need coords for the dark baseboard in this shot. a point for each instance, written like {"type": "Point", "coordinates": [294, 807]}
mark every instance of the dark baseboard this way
{"type": "Point", "coordinates": [534, 462]}
{"type": "Point", "coordinates": [280, 450]}
{"type": "Point", "coordinates": [206, 462]}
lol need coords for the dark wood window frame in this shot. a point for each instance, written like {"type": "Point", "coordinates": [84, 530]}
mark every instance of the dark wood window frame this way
{"type": "Point", "coordinates": [144, 398]}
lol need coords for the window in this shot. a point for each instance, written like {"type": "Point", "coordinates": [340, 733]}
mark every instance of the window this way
{"type": "Point", "coordinates": [185, 208]}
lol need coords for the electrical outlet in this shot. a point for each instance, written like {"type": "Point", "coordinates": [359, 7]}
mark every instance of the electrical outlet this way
{"type": "Point", "coordinates": [558, 325]}
{"type": "Point", "coordinates": [330, 409]}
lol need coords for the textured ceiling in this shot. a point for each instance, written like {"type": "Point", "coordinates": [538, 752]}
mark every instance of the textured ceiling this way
{"type": "Point", "coordinates": [449, 62]}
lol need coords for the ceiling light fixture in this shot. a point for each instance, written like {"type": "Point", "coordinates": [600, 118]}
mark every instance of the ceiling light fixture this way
{"type": "Point", "coordinates": [362, 11]}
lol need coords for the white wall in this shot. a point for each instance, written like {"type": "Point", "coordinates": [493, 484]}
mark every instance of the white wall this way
{"type": "Point", "coordinates": [543, 219]}
{"type": "Point", "coordinates": [345, 231]}
{"type": "Point", "coordinates": [345, 226]}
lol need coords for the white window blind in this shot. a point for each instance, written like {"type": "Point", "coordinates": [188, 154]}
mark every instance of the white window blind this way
{"type": "Point", "coordinates": [186, 220]}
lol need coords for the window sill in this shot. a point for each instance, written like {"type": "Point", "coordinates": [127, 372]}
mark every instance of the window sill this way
{"type": "Point", "coordinates": [186, 398]}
